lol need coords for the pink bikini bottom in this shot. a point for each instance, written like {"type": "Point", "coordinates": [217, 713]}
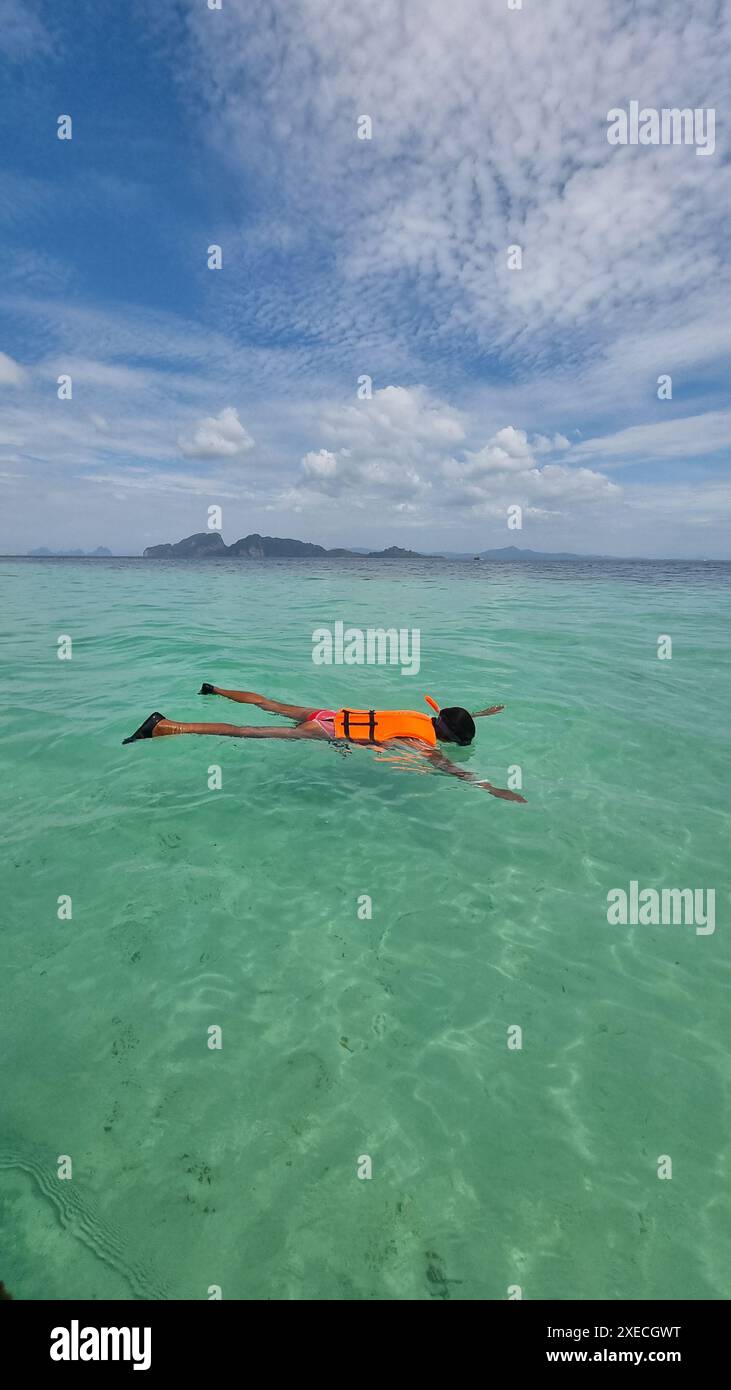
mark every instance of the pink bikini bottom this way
{"type": "Point", "coordinates": [326, 719]}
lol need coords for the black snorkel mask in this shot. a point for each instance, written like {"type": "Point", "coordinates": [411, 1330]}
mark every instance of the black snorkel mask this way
{"type": "Point", "coordinates": [442, 729]}
{"type": "Point", "coordinates": [445, 734]}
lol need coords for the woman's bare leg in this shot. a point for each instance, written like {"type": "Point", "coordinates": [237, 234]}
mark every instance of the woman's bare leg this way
{"type": "Point", "coordinates": [174, 726]}
{"type": "Point", "coordinates": [249, 697]}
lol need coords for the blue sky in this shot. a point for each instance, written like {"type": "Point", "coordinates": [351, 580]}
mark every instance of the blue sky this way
{"type": "Point", "coordinates": [345, 258]}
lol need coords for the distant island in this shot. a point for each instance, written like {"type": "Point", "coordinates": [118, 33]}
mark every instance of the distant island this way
{"type": "Point", "coordinates": [43, 550]}
{"type": "Point", "coordinates": [514, 552]}
{"type": "Point", "coordinates": [210, 545]}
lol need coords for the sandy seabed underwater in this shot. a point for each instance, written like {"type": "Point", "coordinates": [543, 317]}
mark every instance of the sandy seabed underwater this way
{"type": "Point", "coordinates": [491, 1167]}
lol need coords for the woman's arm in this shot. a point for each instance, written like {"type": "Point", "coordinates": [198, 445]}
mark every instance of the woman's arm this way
{"type": "Point", "coordinates": [443, 764]}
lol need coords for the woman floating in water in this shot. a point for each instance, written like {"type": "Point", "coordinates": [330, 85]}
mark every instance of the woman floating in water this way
{"type": "Point", "coordinates": [374, 728]}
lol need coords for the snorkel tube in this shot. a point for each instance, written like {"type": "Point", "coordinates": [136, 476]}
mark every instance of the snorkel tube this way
{"type": "Point", "coordinates": [435, 707]}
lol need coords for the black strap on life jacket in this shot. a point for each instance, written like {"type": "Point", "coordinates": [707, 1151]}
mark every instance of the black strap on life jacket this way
{"type": "Point", "coordinates": [371, 723]}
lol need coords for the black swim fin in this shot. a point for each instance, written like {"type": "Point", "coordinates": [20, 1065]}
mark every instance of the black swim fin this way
{"type": "Point", "coordinates": [206, 689]}
{"type": "Point", "coordinates": [145, 730]}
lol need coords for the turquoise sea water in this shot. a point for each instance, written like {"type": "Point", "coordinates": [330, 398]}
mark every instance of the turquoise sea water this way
{"type": "Point", "coordinates": [343, 1037]}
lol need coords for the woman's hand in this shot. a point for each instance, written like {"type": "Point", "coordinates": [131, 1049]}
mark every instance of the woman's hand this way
{"type": "Point", "coordinates": [502, 792]}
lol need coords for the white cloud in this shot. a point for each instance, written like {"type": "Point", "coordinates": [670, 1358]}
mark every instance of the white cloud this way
{"type": "Point", "coordinates": [489, 129]}
{"type": "Point", "coordinates": [220, 436]}
{"type": "Point", "coordinates": [322, 464]}
{"type": "Point", "coordinates": [399, 448]}
{"type": "Point", "coordinates": [507, 452]}
{"type": "Point", "coordinates": [11, 373]}
{"type": "Point", "coordinates": [22, 32]}
{"type": "Point", "coordinates": [383, 445]}
{"type": "Point", "coordinates": [542, 445]}
{"type": "Point", "coordinates": [397, 420]}
{"type": "Point", "coordinates": [695, 436]}
{"type": "Point", "coordinates": [165, 482]}
{"type": "Point", "coordinates": [505, 472]}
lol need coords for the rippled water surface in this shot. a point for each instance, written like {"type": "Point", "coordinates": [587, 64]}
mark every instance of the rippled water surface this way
{"type": "Point", "coordinates": [344, 1037]}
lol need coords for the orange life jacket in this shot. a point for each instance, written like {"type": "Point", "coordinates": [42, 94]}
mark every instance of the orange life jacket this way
{"type": "Point", "coordinates": [379, 725]}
